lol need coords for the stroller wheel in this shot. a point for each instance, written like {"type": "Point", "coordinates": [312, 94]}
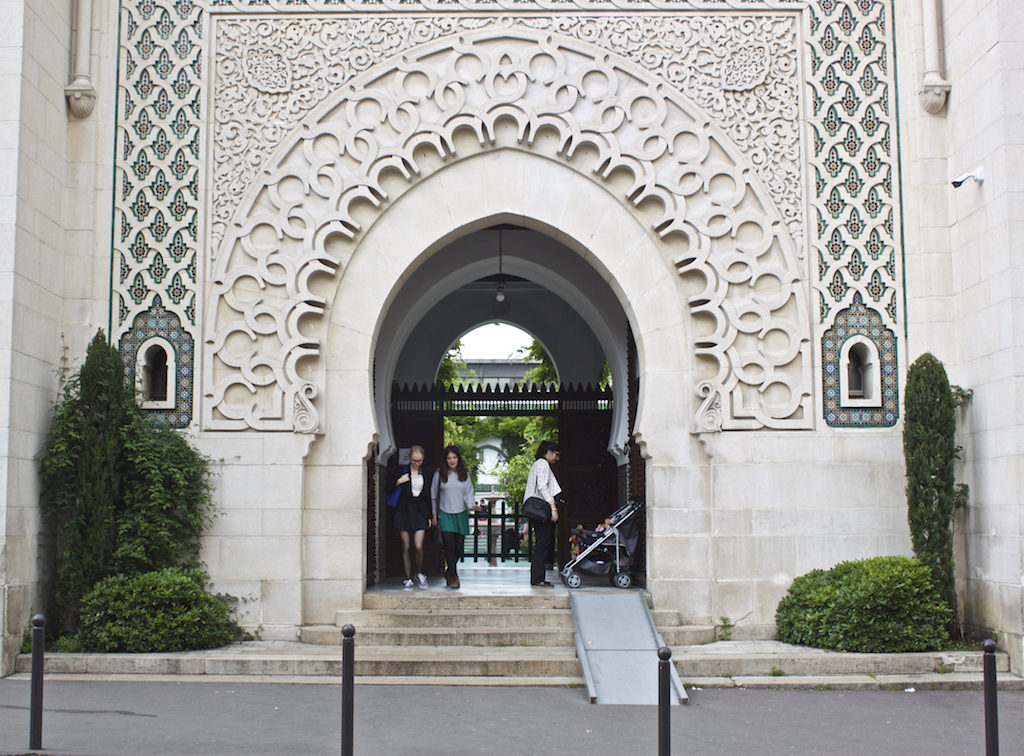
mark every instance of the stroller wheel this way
{"type": "Point", "coordinates": [622, 580]}
{"type": "Point", "coordinates": [573, 580]}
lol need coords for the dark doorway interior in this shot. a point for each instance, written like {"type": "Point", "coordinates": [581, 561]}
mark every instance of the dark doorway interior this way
{"type": "Point", "coordinates": [588, 474]}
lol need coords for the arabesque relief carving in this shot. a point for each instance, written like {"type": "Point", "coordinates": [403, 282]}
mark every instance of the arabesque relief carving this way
{"type": "Point", "coordinates": [741, 69]}
{"type": "Point", "coordinates": [716, 212]}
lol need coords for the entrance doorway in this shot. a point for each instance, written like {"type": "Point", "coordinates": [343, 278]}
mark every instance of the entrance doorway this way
{"type": "Point", "coordinates": [528, 279]}
{"type": "Point", "coordinates": [588, 474]}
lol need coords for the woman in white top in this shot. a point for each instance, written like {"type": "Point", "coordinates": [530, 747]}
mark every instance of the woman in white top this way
{"type": "Point", "coordinates": [453, 499]}
{"type": "Point", "coordinates": [541, 483]}
{"type": "Point", "coordinates": [412, 515]}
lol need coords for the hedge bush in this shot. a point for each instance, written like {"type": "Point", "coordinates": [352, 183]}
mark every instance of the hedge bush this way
{"type": "Point", "coordinates": [165, 610]}
{"type": "Point", "coordinates": [884, 604]}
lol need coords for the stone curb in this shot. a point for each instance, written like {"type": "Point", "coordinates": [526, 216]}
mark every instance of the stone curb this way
{"type": "Point", "coordinates": [909, 683]}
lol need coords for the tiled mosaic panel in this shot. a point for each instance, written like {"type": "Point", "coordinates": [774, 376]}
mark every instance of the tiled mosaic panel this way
{"type": "Point", "coordinates": [853, 210]}
{"type": "Point", "coordinates": [157, 175]}
{"type": "Point", "coordinates": [854, 215]}
{"type": "Point", "coordinates": [858, 319]}
{"type": "Point", "coordinates": [157, 321]}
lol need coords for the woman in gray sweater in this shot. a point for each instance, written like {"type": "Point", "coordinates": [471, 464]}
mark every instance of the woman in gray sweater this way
{"type": "Point", "coordinates": [453, 499]}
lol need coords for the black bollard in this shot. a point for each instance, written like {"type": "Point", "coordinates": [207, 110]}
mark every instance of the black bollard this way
{"type": "Point", "coordinates": [35, 716]}
{"type": "Point", "coordinates": [991, 714]}
{"type": "Point", "coordinates": [347, 688]}
{"type": "Point", "coordinates": [664, 702]}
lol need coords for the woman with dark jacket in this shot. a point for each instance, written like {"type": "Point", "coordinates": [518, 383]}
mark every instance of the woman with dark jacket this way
{"type": "Point", "coordinates": [412, 515]}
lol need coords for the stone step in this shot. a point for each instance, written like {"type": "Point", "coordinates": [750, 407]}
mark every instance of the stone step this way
{"type": "Point", "coordinates": [389, 661]}
{"type": "Point", "coordinates": [686, 635]}
{"type": "Point", "coordinates": [476, 635]}
{"type": "Point", "coordinates": [665, 617]}
{"type": "Point", "coordinates": [455, 661]}
{"type": "Point", "coordinates": [742, 659]}
{"type": "Point", "coordinates": [456, 600]}
{"type": "Point", "coordinates": [456, 618]}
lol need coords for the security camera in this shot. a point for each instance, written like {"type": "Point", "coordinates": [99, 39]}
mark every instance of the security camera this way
{"type": "Point", "coordinates": [975, 175]}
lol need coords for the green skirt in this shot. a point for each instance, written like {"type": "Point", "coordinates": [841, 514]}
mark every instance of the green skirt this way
{"type": "Point", "coordinates": [454, 523]}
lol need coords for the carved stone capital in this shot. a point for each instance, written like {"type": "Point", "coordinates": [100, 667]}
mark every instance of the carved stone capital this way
{"type": "Point", "coordinates": [933, 93]}
{"type": "Point", "coordinates": [81, 96]}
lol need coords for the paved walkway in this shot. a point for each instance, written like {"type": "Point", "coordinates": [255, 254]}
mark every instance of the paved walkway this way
{"type": "Point", "coordinates": [113, 718]}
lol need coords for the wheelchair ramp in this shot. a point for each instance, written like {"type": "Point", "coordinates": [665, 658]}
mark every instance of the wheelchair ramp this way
{"type": "Point", "coordinates": [618, 648]}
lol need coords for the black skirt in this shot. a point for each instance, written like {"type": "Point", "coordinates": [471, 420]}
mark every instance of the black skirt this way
{"type": "Point", "coordinates": [413, 513]}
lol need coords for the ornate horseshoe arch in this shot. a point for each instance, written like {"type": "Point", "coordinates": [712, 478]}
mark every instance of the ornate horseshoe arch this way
{"type": "Point", "coordinates": [515, 88]}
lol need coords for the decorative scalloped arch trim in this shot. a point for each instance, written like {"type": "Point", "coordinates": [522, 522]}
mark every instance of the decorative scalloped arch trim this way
{"type": "Point", "coordinates": [529, 91]}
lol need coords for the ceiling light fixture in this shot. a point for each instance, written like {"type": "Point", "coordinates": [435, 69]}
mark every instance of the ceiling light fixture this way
{"type": "Point", "coordinates": [499, 295]}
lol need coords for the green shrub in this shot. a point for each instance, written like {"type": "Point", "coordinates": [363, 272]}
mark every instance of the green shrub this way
{"type": "Point", "coordinates": [119, 495]}
{"type": "Point", "coordinates": [884, 604]}
{"type": "Point", "coordinates": [166, 610]}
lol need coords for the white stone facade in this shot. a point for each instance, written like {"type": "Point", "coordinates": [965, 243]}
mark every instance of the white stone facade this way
{"type": "Point", "coordinates": [283, 191]}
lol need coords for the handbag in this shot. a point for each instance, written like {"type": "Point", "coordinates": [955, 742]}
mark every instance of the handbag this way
{"type": "Point", "coordinates": [536, 508]}
{"type": "Point", "coordinates": [392, 499]}
{"type": "Point", "coordinates": [434, 533]}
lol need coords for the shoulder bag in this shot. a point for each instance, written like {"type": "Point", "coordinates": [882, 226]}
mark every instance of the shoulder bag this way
{"type": "Point", "coordinates": [392, 499]}
{"type": "Point", "coordinates": [536, 508]}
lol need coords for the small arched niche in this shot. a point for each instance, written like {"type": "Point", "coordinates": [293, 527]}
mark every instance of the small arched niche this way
{"type": "Point", "coordinates": [155, 370]}
{"type": "Point", "coordinates": [860, 377]}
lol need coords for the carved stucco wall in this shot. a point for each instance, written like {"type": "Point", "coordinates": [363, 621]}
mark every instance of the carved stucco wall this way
{"type": "Point", "coordinates": [702, 108]}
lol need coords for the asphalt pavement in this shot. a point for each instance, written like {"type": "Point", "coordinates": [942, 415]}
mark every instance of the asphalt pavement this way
{"type": "Point", "coordinates": [84, 717]}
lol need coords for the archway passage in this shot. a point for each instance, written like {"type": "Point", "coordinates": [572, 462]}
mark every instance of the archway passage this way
{"type": "Point", "coordinates": [592, 480]}
{"type": "Point", "coordinates": [551, 292]}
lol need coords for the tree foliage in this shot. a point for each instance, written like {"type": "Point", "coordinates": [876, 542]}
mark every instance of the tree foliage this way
{"type": "Point", "coordinates": [930, 451]}
{"type": "Point", "coordinates": [118, 494]}
{"type": "Point", "coordinates": [453, 370]}
{"type": "Point", "coordinates": [463, 432]}
{"type": "Point", "coordinates": [519, 435]}
{"type": "Point", "coordinates": [545, 372]}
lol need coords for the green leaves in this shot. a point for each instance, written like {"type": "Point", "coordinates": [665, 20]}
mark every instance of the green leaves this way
{"type": "Point", "coordinates": [884, 604]}
{"type": "Point", "coordinates": [163, 610]}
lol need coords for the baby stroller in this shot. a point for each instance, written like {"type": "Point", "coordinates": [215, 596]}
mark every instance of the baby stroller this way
{"type": "Point", "coordinates": [605, 552]}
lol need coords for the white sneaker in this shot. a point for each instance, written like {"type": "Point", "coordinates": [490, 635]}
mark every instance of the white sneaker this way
{"type": "Point", "coordinates": [407, 585]}
{"type": "Point", "coordinates": [422, 580]}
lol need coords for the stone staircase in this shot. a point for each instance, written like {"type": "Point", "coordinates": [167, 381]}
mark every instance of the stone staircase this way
{"type": "Point", "coordinates": [459, 638]}
{"type": "Point", "coordinates": [450, 637]}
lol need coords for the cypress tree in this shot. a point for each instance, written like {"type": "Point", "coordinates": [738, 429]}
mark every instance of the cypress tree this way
{"type": "Point", "coordinates": [930, 451]}
{"type": "Point", "coordinates": [81, 466]}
